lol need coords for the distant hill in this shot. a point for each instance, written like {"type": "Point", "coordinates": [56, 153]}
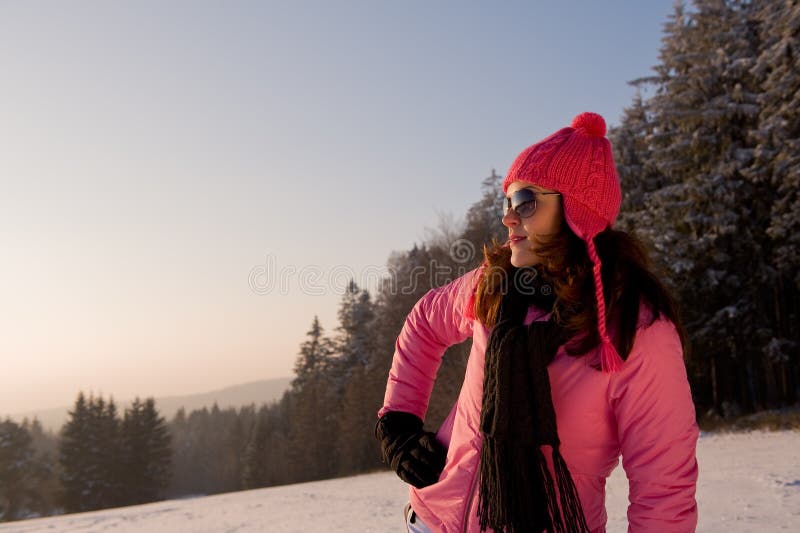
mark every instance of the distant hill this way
{"type": "Point", "coordinates": [256, 392]}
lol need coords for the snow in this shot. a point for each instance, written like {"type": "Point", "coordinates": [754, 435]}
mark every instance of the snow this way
{"type": "Point", "coordinates": [748, 482]}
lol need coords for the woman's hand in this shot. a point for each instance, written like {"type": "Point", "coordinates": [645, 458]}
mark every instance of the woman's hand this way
{"type": "Point", "coordinates": [414, 454]}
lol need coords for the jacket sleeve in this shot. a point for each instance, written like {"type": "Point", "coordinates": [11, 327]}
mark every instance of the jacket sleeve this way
{"type": "Point", "coordinates": [438, 320]}
{"type": "Point", "coordinates": [657, 432]}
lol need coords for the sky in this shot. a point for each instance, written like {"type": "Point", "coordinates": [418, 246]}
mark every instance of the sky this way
{"type": "Point", "coordinates": [185, 184]}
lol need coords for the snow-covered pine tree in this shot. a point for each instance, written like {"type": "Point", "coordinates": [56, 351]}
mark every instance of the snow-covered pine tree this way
{"type": "Point", "coordinates": [777, 166]}
{"type": "Point", "coordinates": [353, 343]}
{"type": "Point", "coordinates": [778, 133]}
{"type": "Point", "coordinates": [635, 165]}
{"type": "Point", "coordinates": [708, 226]}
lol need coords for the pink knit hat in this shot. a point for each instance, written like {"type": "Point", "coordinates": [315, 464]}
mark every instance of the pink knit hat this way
{"type": "Point", "coordinates": [577, 162]}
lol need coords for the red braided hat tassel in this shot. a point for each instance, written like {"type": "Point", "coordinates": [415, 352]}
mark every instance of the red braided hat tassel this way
{"type": "Point", "coordinates": [609, 357]}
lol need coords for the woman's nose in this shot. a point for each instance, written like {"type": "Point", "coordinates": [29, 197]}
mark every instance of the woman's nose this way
{"type": "Point", "coordinates": [510, 218]}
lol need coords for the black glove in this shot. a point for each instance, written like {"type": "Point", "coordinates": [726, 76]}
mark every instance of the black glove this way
{"type": "Point", "coordinates": [414, 454]}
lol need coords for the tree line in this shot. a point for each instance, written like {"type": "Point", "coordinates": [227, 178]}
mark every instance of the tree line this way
{"type": "Point", "coordinates": [710, 169]}
{"type": "Point", "coordinates": [708, 154]}
{"type": "Point", "coordinates": [99, 460]}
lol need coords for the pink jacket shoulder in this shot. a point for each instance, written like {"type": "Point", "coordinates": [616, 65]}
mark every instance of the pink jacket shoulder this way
{"type": "Point", "coordinates": [438, 320]}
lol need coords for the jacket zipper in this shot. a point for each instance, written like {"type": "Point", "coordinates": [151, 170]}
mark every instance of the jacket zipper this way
{"type": "Point", "coordinates": [472, 488]}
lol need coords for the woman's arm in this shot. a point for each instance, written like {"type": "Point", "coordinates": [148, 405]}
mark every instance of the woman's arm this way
{"type": "Point", "coordinates": [436, 322]}
{"type": "Point", "coordinates": [657, 432]}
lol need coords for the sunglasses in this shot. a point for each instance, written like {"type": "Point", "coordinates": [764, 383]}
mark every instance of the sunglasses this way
{"type": "Point", "coordinates": [523, 202]}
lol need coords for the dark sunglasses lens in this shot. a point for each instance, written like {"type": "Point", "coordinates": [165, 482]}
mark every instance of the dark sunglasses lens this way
{"type": "Point", "coordinates": [524, 202]}
{"type": "Point", "coordinates": [505, 206]}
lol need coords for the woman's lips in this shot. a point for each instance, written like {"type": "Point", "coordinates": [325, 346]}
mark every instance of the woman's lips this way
{"type": "Point", "coordinates": [516, 239]}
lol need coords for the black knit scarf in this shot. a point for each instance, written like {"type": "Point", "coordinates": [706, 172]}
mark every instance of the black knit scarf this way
{"type": "Point", "coordinates": [517, 492]}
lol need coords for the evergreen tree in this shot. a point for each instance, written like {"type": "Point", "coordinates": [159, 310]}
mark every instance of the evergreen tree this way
{"type": "Point", "coordinates": [311, 437]}
{"type": "Point", "coordinates": [255, 473]}
{"type": "Point", "coordinates": [776, 165]}
{"type": "Point", "coordinates": [310, 408]}
{"type": "Point", "coordinates": [709, 167]}
{"type": "Point", "coordinates": [17, 486]}
{"type": "Point", "coordinates": [278, 468]}
{"type": "Point", "coordinates": [778, 133]}
{"type": "Point", "coordinates": [314, 356]}
{"type": "Point", "coordinates": [347, 382]}
{"type": "Point", "coordinates": [89, 457]}
{"type": "Point", "coordinates": [146, 453]}
{"type": "Point", "coordinates": [193, 454]}
{"type": "Point", "coordinates": [234, 446]}
{"type": "Point", "coordinates": [484, 222]}
{"type": "Point", "coordinates": [208, 450]}
{"type": "Point", "coordinates": [76, 458]}
{"type": "Point", "coordinates": [105, 441]}
{"type": "Point", "coordinates": [704, 105]}
{"type": "Point", "coordinates": [354, 334]}
{"type": "Point", "coordinates": [356, 448]}
{"type": "Point", "coordinates": [634, 159]}
{"type": "Point", "coordinates": [43, 474]}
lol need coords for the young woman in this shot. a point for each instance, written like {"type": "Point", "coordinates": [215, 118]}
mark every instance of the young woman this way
{"type": "Point", "coordinates": [577, 359]}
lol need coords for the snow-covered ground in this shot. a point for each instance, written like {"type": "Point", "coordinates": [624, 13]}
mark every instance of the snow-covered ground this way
{"type": "Point", "coordinates": [748, 482]}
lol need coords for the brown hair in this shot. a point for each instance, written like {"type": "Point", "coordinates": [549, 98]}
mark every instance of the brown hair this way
{"type": "Point", "coordinates": [627, 275]}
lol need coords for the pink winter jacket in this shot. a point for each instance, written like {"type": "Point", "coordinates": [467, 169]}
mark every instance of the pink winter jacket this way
{"type": "Point", "coordinates": [643, 412]}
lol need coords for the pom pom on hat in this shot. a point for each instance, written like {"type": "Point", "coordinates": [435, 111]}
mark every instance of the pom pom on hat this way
{"type": "Point", "coordinates": [590, 123]}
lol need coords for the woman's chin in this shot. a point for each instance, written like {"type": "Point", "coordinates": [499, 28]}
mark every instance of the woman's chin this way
{"type": "Point", "coordinates": [519, 261]}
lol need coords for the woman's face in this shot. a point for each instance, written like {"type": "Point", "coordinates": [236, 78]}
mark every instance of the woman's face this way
{"type": "Point", "coordinates": [543, 223]}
